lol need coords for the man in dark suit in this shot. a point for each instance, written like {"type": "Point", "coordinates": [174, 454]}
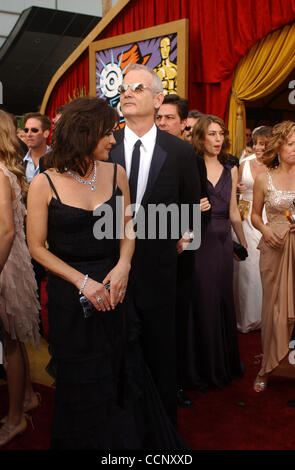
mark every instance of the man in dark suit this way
{"type": "Point", "coordinates": [172, 117]}
{"type": "Point", "coordinates": [166, 174]}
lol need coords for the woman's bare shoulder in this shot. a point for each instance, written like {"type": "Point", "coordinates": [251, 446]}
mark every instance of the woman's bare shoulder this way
{"type": "Point", "coordinates": [4, 178]}
{"type": "Point", "coordinates": [109, 167]}
{"type": "Point", "coordinates": [261, 182]}
{"type": "Point", "coordinates": [262, 178]}
{"type": "Point", "coordinates": [2, 175]}
{"type": "Point", "coordinates": [39, 184]}
{"type": "Point", "coordinates": [121, 171]}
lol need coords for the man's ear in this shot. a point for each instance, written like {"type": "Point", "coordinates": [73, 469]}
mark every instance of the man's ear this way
{"type": "Point", "coordinates": [46, 134]}
{"type": "Point", "coordinates": [158, 100]}
{"type": "Point", "coordinates": [183, 124]}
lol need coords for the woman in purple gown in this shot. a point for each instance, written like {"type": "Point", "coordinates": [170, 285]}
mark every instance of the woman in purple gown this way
{"type": "Point", "coordinates": [214, 353]}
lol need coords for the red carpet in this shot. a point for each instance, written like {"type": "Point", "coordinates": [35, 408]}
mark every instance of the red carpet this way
{"type": "Point", "coordinates": [234, 418]}
{"type": "Point", "coordinates": [37, 438]}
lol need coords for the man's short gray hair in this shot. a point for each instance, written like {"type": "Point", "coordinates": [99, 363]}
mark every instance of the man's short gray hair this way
{"type": "Point", "coordinates": [157, 85]}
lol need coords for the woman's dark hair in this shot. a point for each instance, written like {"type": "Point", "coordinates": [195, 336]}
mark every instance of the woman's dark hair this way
{"type": "Point", "coordinates": [262, 131]}
{"type": "Point", "coordinates": [83, 123]}
{"type": "Point", "coordinates": [199, 133]}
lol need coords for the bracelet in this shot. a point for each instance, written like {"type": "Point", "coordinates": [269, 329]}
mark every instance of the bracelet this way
{"type": "Point", "coordinates": [189, 236]}
{"type": "Point", "coordinates": [83, 284]}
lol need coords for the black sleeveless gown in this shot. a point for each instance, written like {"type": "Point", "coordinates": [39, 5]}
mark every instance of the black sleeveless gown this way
{"type": "Point", "coordinates": [105, 397]}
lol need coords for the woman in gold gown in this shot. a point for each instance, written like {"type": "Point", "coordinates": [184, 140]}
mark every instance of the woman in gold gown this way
{"type": "Point", "coordinates": [276, 190]}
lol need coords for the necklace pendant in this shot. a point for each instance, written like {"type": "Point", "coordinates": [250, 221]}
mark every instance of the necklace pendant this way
{"type": "Point", "coordinates": [89, 182]}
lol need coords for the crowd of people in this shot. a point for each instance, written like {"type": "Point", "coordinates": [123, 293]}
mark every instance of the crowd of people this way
{"type": "Point", "coordinates": [136, 320]}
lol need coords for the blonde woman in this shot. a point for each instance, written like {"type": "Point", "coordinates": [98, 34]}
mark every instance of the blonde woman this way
{"type": "Point", "coordinates": [275, 190]}
{"type": "Point", "coordinates": [19, 307]}
{"type": "Point", "coordinates": [247, 283]}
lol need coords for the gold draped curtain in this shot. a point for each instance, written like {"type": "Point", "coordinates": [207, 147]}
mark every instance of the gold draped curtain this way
{"type": "Point", "coordinates": [267, 64]}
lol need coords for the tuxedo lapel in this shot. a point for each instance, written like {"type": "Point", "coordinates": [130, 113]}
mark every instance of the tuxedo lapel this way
{"type": "Point", "coordinates": [117, 153]}
{"type": "Point", "coordinates": [158, 159]}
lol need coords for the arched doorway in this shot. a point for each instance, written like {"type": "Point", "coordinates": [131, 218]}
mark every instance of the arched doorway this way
{"type": "Point", "coordinates": [276, 107]}
{"type": "Point", "coordinates": [260, 73]}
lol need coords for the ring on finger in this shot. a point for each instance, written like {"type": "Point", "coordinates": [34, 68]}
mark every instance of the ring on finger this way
{"type": "Point", "coordinates": [122, 292]}
{"type": "Point", "coordinates": [98, 300]}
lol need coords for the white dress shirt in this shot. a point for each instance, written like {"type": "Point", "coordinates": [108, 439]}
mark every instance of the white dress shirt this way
{"type": "Point", "coordinates": [31, 171]}
{"type": "Point", "coordinates": [146, 152]}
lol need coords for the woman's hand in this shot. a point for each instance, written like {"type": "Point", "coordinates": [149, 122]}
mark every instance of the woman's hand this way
{"type": "Point", "coordinates": [270, 238]}
{"type": "Point", "coordinates": [292, 228]}
{"type": "Point", "coordinates": [183, 243]}
{"type": "Point", "coordinates": [94, 291]}
{"type": "Point", "coordinates": [205, 204]}
{"type": "Point", "coordinates": [237, 258]}
{"type": "Point", "coordinates": [241, 188]}
{"type": "Point", "coordinates": [118, 279]}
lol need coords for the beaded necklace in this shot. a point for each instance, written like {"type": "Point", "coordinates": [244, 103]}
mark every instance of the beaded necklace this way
{"type": "Point", "coordinates": [89, 182]}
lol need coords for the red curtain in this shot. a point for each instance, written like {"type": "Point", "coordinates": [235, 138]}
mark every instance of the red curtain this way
{"type": "Point", "coordinates": [220, 34]}
{"type": "Point", "coordinates": [74, 83]}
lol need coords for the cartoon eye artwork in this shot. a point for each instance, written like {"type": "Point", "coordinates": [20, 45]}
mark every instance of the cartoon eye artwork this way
{"type": "Point", "coordinates": [110, 78]}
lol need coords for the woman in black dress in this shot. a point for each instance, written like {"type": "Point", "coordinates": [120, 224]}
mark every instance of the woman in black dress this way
{"type": "Point", "coordinates": [103, 391]}
{"type": "Point", "coordinates": [214, 355]}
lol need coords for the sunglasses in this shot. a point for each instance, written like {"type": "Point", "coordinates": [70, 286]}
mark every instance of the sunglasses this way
{"type": "Point", "coordinates": [33, 129]}
{"type": "Point", "coordinates": [187, 128]}
{"type": "Point", "coordinates": [135, 87]}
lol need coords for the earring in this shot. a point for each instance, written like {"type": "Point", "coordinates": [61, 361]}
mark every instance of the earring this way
{"type": "Point", "coordinates": [279, 159]}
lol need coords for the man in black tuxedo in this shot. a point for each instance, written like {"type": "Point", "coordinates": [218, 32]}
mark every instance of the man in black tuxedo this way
{"type": "Point", "coordinates": [166, 173]}
{"type": "Point", "coordinates": [172, 117]}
